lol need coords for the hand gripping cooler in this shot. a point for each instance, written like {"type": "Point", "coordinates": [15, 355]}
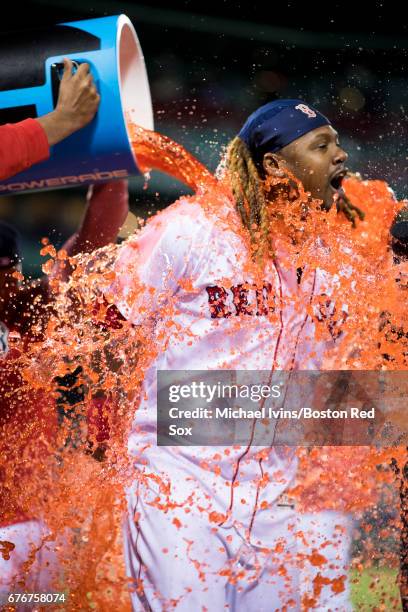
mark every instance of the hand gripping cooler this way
{"type": "Point", "coordinates": [30, 73]}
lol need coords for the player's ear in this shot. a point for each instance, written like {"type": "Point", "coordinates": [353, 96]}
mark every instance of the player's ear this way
{"type": "Point", "coordinates": [272, 164]}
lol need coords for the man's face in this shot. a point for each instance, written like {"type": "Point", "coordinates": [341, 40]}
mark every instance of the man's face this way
{"type": "Point", "coordinates": [318, 161]}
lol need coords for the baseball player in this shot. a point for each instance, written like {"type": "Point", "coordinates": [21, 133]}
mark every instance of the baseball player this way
{"type": "Point", "coordinates": [210, 528]}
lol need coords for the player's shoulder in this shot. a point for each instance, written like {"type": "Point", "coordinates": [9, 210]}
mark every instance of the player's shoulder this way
{"type": "Point", "coordinates": [186, 211]}
{"type": "Point", "coordinates": [185, 218]}
{"type": "Point", "coordinates": [192, 223]}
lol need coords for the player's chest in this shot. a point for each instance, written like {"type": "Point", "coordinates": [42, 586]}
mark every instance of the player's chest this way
{"type": "Point", "coordinates": [233, 291]}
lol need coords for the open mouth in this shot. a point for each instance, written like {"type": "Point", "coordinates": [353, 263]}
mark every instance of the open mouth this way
{"type": "Point", "coordinates": [337, 179]}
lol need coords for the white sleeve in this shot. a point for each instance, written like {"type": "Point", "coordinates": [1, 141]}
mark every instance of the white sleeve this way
{"type": "Point", "coordinates": [149, 266]}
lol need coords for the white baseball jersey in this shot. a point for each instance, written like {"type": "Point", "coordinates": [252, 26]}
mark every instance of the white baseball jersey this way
{"type": "Point", "coordinates": [188, 271]}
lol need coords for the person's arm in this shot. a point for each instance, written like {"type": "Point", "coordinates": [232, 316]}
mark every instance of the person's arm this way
{"type": "Point", "coordinates": [107, 209]}
{"type": "Point", "coordinates": [21, 145]}
{"type": "Point", "coordinates": [106, 212]}
{"type": "Point", "coordinates": [28, 142]}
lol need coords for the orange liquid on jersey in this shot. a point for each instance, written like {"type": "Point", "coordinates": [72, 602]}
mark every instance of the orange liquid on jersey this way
{"type": "Point", "coordinates": [82, 499]}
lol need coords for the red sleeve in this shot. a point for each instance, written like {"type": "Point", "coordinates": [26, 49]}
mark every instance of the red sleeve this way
{"type": "Point", "coordinates": [21, 145]}
{"type": "Point", "coordinates": [97, 419]}
{"type": "Point", "coordinates": [107, 316]}
{"type": "Point", "coordinates": [108, 207]}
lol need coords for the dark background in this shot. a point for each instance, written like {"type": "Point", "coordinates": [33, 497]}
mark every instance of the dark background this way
{"type": "Point", "coordinates": [210, 65]}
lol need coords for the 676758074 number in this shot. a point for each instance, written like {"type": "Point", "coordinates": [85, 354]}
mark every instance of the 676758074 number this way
{"type": "Point", "coordinates": [41, 598]}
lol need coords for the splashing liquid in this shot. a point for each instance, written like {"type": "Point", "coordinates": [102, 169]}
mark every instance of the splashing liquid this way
{"type": "Point", "coordinates": [91, 364]}
{"type": "Point", "coordinates": [155, 151]}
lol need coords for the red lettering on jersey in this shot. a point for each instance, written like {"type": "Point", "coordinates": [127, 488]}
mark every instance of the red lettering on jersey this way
{"type": "Point", "coordinates": [216, 299]}
{"type": "Point", "coordinates": [240, 293]}
{"type": "Point", "coordinates": [265, 300]}
{"type": "Point", "coordinates": [327, 312]}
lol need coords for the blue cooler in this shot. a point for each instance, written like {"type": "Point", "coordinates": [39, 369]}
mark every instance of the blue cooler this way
{"type": "Point", "coordinates": [30, 72]}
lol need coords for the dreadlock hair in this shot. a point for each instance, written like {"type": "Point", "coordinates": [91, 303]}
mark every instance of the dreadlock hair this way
{"type": "Point", "coordinates": [348, 209]}
{"type": "Point", "coordinates": [248, 190]}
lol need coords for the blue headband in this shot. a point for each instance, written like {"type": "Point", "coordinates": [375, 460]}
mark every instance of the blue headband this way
{"type": "Point", "coordinates": [276, 124]}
